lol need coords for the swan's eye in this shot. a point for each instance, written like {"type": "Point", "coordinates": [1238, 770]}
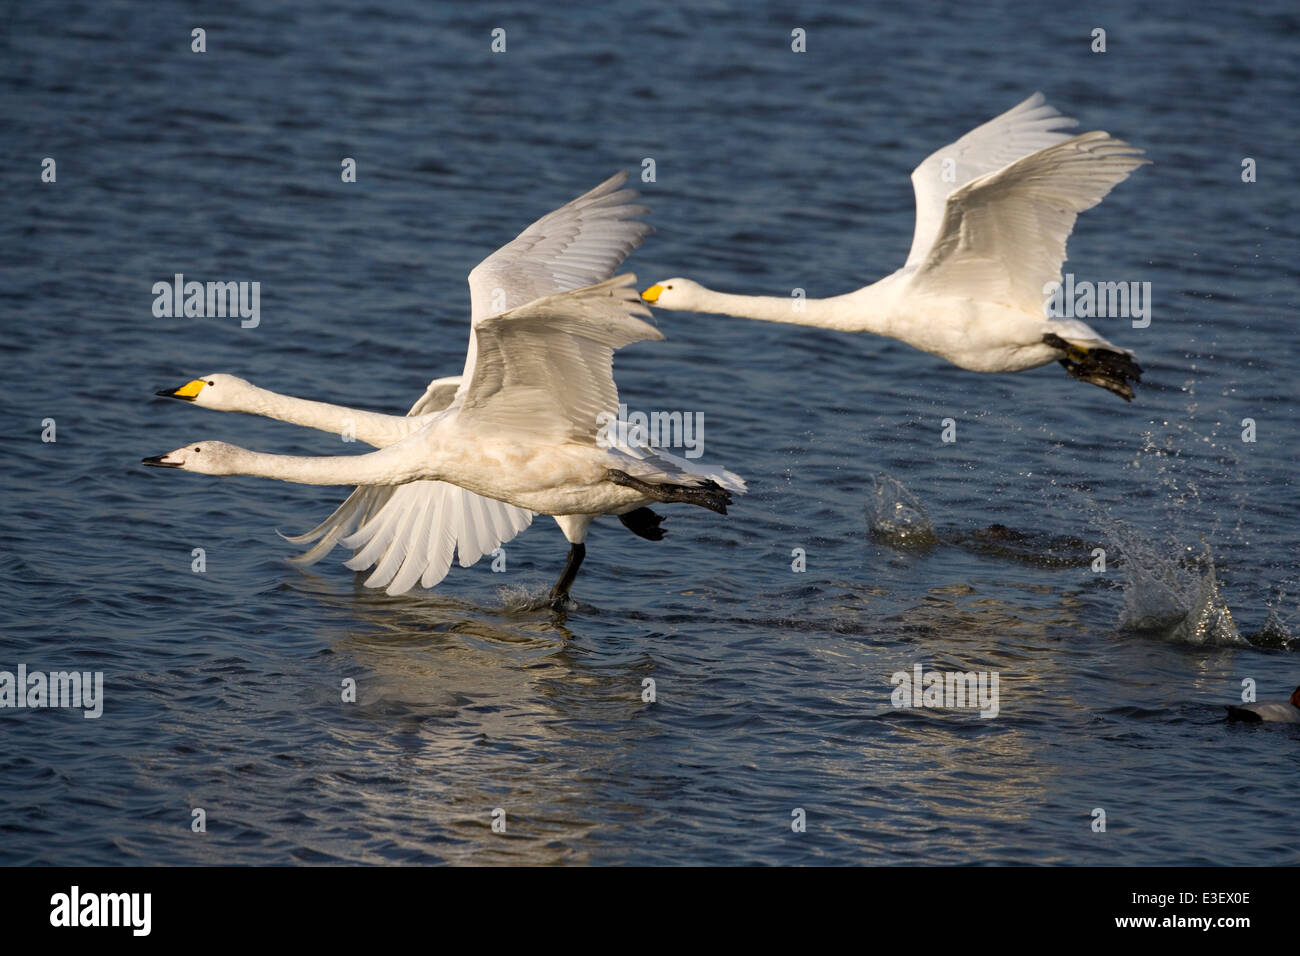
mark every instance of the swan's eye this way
{"type": "Point", "coordinates": [197, 450]}
{"type": "Point", "coordinates": [212, 383]}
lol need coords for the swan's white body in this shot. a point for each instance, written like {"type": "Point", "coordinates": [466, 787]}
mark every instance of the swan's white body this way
{"type": "Point", "coordinates": [449, 476]}
{"type": "Point", "coordinates": [993, 213]}
{"type": "Point", "coordinates": [1269, 711]}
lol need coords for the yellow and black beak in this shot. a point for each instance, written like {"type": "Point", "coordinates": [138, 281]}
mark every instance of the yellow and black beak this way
{"type": "Point", "coordinates": [186, 393]}
{"type": "Point", "coordinates": [652, 294]}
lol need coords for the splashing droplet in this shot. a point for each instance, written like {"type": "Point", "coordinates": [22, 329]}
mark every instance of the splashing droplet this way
{"type": "Point", "coordinates": [896, 517]}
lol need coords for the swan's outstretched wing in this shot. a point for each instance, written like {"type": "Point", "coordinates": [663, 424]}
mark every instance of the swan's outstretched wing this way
{"type": "Point", "coordinates": [357, 508]}
{"type": "Point", "coordinates": [412, 536]}
{"type": "Point", "coordinates": [577, 245]}
{"type": "Point", "coordinates": [410, 532]}
{"type": "Point", "coordinates": [1003, 235]}
{"type": "Point", "coordinates": [580, 243]}
{"type": "Point", "coordinates": [1021, 130]}
{"type": "Point", "coordinates": [546, 370]}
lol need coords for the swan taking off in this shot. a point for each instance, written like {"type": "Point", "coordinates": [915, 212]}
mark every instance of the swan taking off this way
{"type": "Point", "coordinates": [410, 532]}
{"type": "Point", "coordinates": [993, 213]}
{"type": "Point", "coordinates": [1269, 711]}
{"type": "Point", "coordinates": [523, 429]}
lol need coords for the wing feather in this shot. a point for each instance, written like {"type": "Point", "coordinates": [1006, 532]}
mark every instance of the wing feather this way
{"type": "Point", "coordinates": [1003, 236]}
{"type": "Point", "coordinates": [579, 244]}
{"type": "Point", "coordinates": [546, 370]}
{"type": "Point", "coordinates": [1025, 128]}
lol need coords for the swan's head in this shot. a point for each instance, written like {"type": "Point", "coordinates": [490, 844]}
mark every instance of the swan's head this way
{"type": "Point", "coordinates": [225, 393]}
{"type": "Point", "coordinates": [680, 294]}
{"type": "Point", "coordinates": [204, 457]}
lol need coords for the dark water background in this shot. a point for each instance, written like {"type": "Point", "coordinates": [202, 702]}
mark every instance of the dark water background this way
{"type": "Point", "coordinates": [774, 170]}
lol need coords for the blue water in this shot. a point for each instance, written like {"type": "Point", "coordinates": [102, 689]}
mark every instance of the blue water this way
{"type": "Point", "coordinates": [773, 170]}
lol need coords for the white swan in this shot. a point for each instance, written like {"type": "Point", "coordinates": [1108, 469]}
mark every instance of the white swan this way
{"type": "Point", "coordinates": [1269, 711]}
{"type": "Point", "coordinates": [993, 213]}
{"type": "Point", "coordinates": [523, 428]}
{"type": "Point", "coordinates": [410, 532]}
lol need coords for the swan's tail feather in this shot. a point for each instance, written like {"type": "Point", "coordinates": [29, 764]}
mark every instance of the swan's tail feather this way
{"type": "Point", "coordinates": [1110, 368]}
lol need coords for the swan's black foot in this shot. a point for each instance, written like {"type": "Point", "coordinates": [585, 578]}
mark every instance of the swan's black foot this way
{"type": "Point", "coordinates": [1106, 368]}
{"type": "Point", "coordinates": [707, 494]}
{"type": "Point", "coordinates": [560, 592]}
{"type": "Point", "coordinates": [644, 523]}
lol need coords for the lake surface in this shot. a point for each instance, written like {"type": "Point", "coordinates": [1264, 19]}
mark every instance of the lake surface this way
{"type": "Point", "coordinates": [773, 170]}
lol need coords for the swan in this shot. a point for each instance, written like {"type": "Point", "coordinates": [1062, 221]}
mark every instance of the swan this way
{"type": "Point", "coordinates": [410, 532]}
{"type": "Point", "coordinates": [1269, 711]}
{"type": "Point", "coordinates": [993, 213]}
{"type": "Point", "coordinates": [523, 428]}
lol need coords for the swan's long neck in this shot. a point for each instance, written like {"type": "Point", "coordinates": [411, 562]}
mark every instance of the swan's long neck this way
{"type": "Point", "coordinates": [388, 466]}
{"type": "Point", "coordinates": [373, 428]}
{"type": "Point", "coordinates": [862, 311]}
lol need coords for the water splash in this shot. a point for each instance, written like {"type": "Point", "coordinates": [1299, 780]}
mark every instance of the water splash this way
{"type": "Point", "coordinates": [517, 599]}
{"type": "Point", "coordinates": [896, 517]}
{"type": "Point", "coordinates": [1176, 598]}
{"type": "Point", "coordinates": [1274, 633]}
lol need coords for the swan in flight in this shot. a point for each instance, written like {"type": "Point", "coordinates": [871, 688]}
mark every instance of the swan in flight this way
{"type": "Point", "coordinates": [410, 532]}
{"type": "Point", "coordinates": [1269, 711]}
{"type": "Point", "coordinates": [993, 213]}
{"type": "Point", "coordinates": [523, 429]}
